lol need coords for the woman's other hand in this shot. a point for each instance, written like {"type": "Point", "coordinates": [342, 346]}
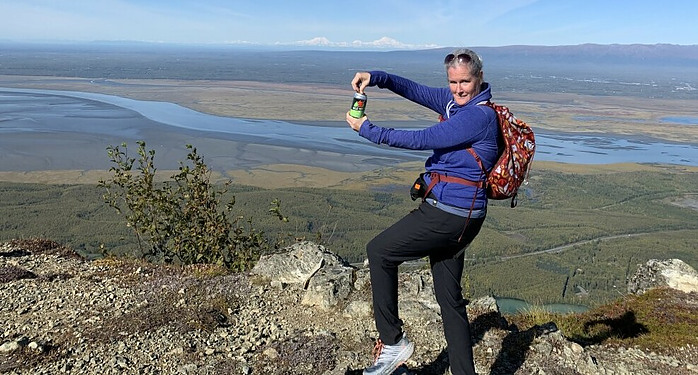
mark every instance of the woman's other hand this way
{"type": "Point", "coordinates": [360, 81]}
{"type": "Point", "coordinates": [354, 122]}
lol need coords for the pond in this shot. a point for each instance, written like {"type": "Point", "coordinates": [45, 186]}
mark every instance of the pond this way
{"type": "Point", "coordinates": [514, 306]}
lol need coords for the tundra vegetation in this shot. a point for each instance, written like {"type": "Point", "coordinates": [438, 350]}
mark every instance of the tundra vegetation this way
{"type": "Point", "coordinates": [574, 237]}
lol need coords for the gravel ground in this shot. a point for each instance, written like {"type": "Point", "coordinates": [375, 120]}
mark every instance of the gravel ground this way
{"type": "Point", "coordinates": [61, 314]}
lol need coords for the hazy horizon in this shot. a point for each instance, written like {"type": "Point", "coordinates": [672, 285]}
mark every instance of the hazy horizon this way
{"type": "Point", "coordinates": [381, 24]}
{"type": "Point", "coordinates": [658, 71]}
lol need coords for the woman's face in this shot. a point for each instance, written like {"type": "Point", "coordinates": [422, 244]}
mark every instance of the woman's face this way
{"type": "Point", "coordinates": [464, 86]}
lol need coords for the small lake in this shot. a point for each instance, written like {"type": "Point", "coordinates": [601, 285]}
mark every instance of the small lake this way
{"type": "Point", "coordinates": [58, 118]}
{"type": "Point", "coordinates": [514, 306]}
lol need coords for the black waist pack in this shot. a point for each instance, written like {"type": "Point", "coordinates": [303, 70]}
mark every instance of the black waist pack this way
{"type": "Point", "coordinates": [419, 188]}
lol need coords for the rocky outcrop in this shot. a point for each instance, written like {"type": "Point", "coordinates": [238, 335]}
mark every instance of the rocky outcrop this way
{"type": "Point", "coordinates": [297, 264]}
{"type": "Point", "coordinates": [326, 278]}
{"type": "Point", "coordinates": [301, 311]}
{"type": "Point", "coordinates": [671, 273]}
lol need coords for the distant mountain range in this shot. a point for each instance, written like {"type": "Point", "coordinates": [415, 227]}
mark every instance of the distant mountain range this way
{"type": "Point", "coordinates": [615, 51]}
{"type": "Point", "coordinates": [682, 55]}
{"type": "Point", "coordinates": [112, 60]}
{"type": "Point", "coordinates": [619, 53]}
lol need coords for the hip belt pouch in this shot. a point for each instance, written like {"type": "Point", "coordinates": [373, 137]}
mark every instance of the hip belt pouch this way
{"type": "Point", "coordinates": [419, 188]}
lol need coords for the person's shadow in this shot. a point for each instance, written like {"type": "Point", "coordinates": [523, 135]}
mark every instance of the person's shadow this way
{"type": "Point", "coordinates": [516, 344]}
{"type": "Point", "coordinates": [623, 327]}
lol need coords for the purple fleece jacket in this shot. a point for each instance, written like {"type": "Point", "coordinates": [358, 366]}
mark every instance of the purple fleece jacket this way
{"type": "Point", "coordinates": [469, 125]}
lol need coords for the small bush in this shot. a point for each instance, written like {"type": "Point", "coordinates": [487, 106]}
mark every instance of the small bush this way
{"type": "Point", "coordinates": [182, 220]}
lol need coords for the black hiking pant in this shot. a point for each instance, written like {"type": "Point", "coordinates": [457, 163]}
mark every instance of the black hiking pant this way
{"type": "Point", "coordinates": [425, 232]}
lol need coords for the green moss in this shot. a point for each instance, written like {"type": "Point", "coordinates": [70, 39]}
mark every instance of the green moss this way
{"type": "Point", "coordinates": [661, 320]}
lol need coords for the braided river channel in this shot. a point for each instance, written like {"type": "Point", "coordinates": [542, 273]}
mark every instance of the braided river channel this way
{"type": "Point", "coordinates": [46, 129]}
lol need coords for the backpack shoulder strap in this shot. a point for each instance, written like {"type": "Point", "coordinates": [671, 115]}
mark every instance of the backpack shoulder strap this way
{"type": "Point", "coordinates": [470, 149]}
{"type": "Point", "coordinates": [477, 159]}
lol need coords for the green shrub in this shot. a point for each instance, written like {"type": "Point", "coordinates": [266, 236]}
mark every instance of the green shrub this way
{"type": "Point", "coordinates": [182, 220]}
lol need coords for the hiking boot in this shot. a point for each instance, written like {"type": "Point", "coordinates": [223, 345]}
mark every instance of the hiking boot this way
{"type": "Point", "coordinates": [387, 358]}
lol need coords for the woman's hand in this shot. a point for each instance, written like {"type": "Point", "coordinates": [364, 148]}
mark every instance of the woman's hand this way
{"type": "Point", "coordinates": [354, 122]}
{"type": "Point", "coordinates": [360, 81]}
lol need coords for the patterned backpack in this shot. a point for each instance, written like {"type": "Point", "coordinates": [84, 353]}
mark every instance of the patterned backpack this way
{"type": "Point", "coordinates": [511, 169]}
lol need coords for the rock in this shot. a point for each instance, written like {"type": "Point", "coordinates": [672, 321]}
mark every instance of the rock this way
{"type": "Point", "coordinates": [483, 305]}
{"type": "Point", "coordinates": [329, 286]}
{"type": "Point", "coordinates": [271, 353]}
{"type": "Point", "coordinates": [419, 287]}
{"type": "Point", "coordinates": [672, 273]}
{"type": "Point", "coordinates": [358, 309]}
{"type": "Point", "coordinates": [363, 279]}
{"type": "Point", "coordinates": [9, 347]}
{"type": "Point", "coordinates": [296, 264]}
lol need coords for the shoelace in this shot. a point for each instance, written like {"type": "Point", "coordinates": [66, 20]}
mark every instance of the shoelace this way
{"type": "Point", "coordinates": [377, 350]}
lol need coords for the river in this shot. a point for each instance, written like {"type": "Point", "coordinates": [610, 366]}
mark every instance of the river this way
{"type": "Point", "coordinates": [56, 118]}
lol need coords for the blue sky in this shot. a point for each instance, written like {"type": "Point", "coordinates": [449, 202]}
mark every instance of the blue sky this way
{"type": "Point", "coordinates": [388, 24]}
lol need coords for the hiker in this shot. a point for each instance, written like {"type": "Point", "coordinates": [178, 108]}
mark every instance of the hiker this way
{"type": "Point", "coordinates": [451, 213]}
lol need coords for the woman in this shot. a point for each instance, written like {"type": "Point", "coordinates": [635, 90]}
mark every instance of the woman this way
{"type": "Point", "coordinates": [448, 218]}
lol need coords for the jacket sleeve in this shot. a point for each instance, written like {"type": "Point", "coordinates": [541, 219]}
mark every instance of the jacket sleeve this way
{"type": "Point", "coordinates": [462, 129]}
{"type": "Point", "coordinates": [429, 97]}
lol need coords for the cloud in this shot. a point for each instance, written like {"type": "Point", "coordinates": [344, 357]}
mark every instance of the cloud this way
{"type": "Point", "coordinates": [382, 43]}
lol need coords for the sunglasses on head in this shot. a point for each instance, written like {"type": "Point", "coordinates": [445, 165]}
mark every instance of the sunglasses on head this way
{"type": "Point", "coordinates": [462, 58]}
